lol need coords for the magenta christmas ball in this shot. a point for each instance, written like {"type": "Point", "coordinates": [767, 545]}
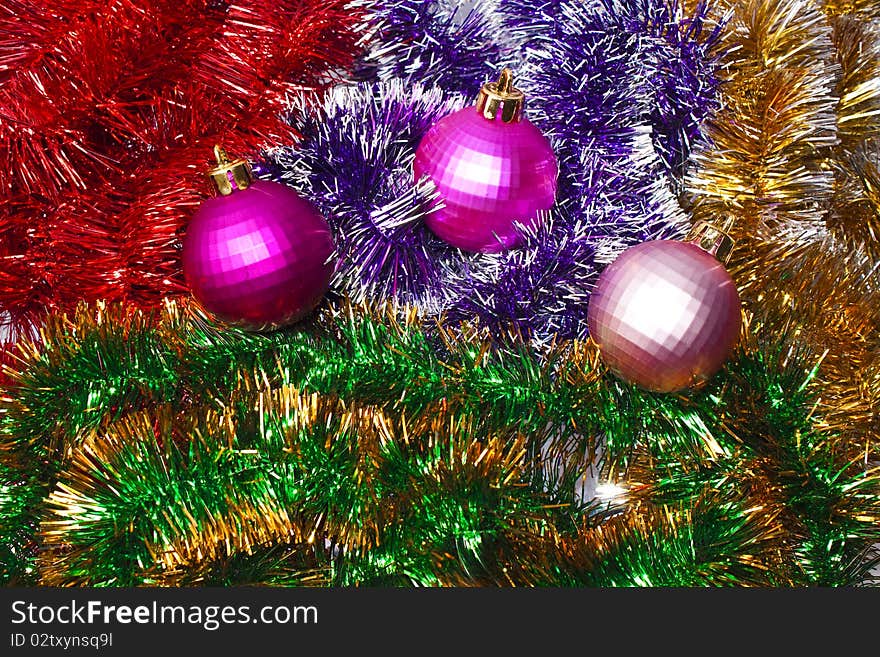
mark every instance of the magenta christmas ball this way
{"type": "Point", "coordinates": [259, 257]}
{"type": "Point", "coordinates": [665, 315]}
{"type": "Point", "coordinates": [492, 169]}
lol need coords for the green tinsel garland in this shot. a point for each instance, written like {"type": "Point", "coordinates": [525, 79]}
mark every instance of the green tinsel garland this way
{"type": "Point", "coordinates": [145, 450]}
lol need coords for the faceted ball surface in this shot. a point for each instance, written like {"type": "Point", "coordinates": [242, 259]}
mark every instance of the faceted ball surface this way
{"type": "Point", "coordinates": [665, 315]}
{"type": "Point", "coordinates": [258, 258]}
{"type": "Point", "coordinates": [489, 176]}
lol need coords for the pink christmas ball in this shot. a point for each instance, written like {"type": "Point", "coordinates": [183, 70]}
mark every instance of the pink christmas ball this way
{"type": "Point", "coordinates": [259, 258]}
{"type": "Point", "coordinates": [665, 315]}
{"type": "Point", "coordinates": [489, 175]}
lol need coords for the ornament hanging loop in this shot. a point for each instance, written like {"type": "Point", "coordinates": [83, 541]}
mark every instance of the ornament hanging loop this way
{"type": "Point", "coordinates": [501, 95]}
{"type": "Point", "coordinates": [505, 81]}
{"type": "Point", "coordinates": [712, 239]}
{"type": "Point", "coordinates": [229, 175]}
{"type": "Point", "coordinates": [220, 154]}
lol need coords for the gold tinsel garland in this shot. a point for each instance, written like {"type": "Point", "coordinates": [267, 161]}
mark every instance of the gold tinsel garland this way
{"type": "Point", "coordinates": [792, 157]}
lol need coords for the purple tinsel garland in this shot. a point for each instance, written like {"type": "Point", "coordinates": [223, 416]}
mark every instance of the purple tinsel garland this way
{"type": "Point", "coordinates": [596, 97]}
{"type": "Point", "coordinates": [540, 289]}
{"type": "Point", "coordinates": [444, 43]}
{"type": "Point", "coordinates": [620, 87]}
{"type": "Point", "coordinates": [355, 164]}
{"type": "Point", "coordinates": [676, 55]}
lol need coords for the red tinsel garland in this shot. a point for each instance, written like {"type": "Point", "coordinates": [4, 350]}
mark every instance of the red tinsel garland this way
{"type": "Point", "coordinates": [109, 110]}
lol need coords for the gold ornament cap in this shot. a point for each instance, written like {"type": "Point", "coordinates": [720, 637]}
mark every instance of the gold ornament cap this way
{"type": "Point", "coordinates": [502, 95]}
{"type": "Point", "coordinates": [712, 239]}
{"type": "Point", "coordinates": [230, 175]}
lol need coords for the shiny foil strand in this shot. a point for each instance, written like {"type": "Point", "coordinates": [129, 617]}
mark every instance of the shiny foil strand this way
{"type": "Point", "coordinates": [594, 97]}
{"type": "Point", "coordinates": [443, 43]}
{"type": "Point", "coordinates": [855, 209]}
{"type": "Point", "coordinates": [861, 9]}
{"type": "Point", "coordinates": [357, 352]}
{"type": "Point", "coordinates": [857, 43]}
{"type": "Point", "coordinates": [676, 62]}
{"type": "Point", "coordinates": [855, 213]}
{"type": "Point", "coordinates": [711, 543]}
{"type": "Point", "coordinates": [282, 564]}
{"type": "Point", "coordinates": [541, 289]}
{"type": "Point", "coordinates": [21, 491]}
{"type": "Point", "coordinates": [841, 327]}
{"type": "Point", "coordinates": [111, 479]}
{"type": "Point", "coordinates": [120, 360]}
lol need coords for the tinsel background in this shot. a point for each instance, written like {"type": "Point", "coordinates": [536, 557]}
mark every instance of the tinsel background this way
{"type": "Point", "coordinates": [443, 418]}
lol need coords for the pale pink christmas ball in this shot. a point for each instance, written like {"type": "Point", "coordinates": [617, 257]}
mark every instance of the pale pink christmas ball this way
{"type": "Point", "coordinates": [665, 315]}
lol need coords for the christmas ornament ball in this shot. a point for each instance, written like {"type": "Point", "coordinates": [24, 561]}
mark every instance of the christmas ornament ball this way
{"type": "Point", "coordinates": [665, 315]}
{"type": "Point", "coordinates": [258, 256]}
{"type": "Point", "coordinates": [492, 168]}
